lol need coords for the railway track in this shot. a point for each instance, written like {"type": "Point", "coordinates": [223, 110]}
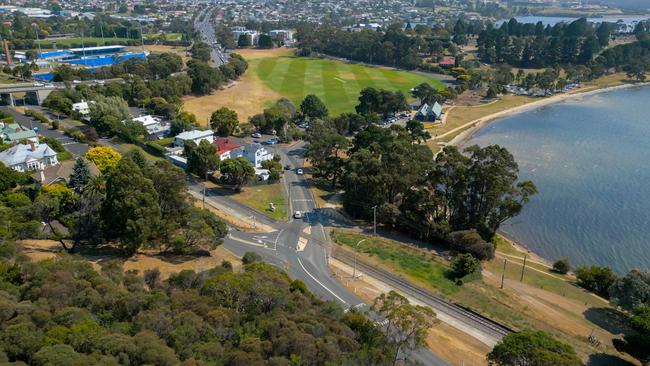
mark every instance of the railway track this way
{"type": "Point", "coordinates": [457, 311]}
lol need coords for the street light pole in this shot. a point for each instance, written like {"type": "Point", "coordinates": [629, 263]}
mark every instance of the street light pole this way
{"type": "Point", "coordinates": [354, 269]}
{"type": "Point", "coordinates": [374, 216]}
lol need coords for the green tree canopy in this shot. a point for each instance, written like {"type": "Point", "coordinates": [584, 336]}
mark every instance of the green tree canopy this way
{"type": "Point", "coordinates": [130, 212]}
{"type": "Point", "coordinates": [532, 348]}
{"type": "Point", "coordinates": [313, 107]}
{"type": "Point", "coordinates": [238, 171]}
{"type": "Point", "coordinates": [224, 121]}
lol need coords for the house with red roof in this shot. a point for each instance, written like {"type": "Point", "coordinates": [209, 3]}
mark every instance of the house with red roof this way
{"type": "Point", "coordinates": [447, 62]}
{"type": "Point", "coordinates": [226, 148]}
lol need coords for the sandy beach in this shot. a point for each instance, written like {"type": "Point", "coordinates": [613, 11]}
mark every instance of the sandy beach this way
{"type": "Point", "coordinates": [468, 129]}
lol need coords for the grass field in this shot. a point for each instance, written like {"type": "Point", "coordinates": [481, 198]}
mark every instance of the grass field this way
{"type": "Point", "coordinates": [77, 41]}
{"type": "Point", "coordinates": [338, 84]}
{"type": "Point", "coordinates": [277, 73]}
{"type": "Point", "coordinates": [259, 196]}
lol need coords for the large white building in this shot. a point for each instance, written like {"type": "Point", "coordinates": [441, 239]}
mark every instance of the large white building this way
{"type": "Point", "coordinates": [82, 108]}
{"type": "Point", "coordinates": [24, 157]}
{"type": "Point", "coordinates": [256, 154]}
{"type": "Point", "coordinates": [195, 136]}
{"type": "Point", "coordinates": [153, 125]}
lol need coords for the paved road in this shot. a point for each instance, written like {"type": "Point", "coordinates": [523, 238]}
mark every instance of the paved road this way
{"type": "Point", "coordinates": [300, 246]}
{"type": "Point", "coordinates": [206, 27]}
{"type": "Point", "coordinates": [76, 148]}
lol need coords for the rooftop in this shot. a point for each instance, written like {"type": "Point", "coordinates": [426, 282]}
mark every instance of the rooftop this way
{"type": "Point", "coordinates": [23, 153]}
{"type": "Point", "coordinates": [194, 134]}
{"type": "Point", "coordinates": [224, 145]}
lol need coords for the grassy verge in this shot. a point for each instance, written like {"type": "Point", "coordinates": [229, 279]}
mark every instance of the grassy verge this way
{"type": "Point", "coordinates": [258, 197]}
{"type": "Point", "coordinates": [541, 301]}
{"type": "Point", "coordinates": [423, 266]}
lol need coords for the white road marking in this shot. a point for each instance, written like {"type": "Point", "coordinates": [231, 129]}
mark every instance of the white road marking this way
{"type": "Point", "coordinates": [258, 244]}
{"type": "Point", "coordinates": [320, 283]}
{"type": "Point", "coordinates": [302, 200]}
{"type": "Point", "coordinates": [276, 240]}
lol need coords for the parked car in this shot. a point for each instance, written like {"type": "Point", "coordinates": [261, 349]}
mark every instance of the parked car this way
{"type": "Point", "coordinates": [256, 135]}
{"type": "Point", "coordinates": [271, 141]}
{"type": "Point", "coordinates": [39, 84]}
{"type": "Point", "coordinates": [76, 81]}
{"type": "Point", "coordinates": [299, 171]}
{"type": "Point", "coordinates": [287, 167]}
{"type": "Point", "coordinates": [100, 82]}
{"type": "Point", "coordinates": [297, 215]}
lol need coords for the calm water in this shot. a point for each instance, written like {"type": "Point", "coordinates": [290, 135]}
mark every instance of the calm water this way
{"type": "Point", "coordinates": [590, 160]}
{"type": "Point", "coordinates": [629, 20]}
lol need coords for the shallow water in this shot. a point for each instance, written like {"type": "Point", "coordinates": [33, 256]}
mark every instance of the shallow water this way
{"type": "Point", "coordinates": [590, 160]}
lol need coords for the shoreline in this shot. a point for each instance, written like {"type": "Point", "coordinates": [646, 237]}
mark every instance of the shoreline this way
{"type": "Point", "coordinates": [476, 125]}
{"type": "Point", "coordinates": [479, 123]}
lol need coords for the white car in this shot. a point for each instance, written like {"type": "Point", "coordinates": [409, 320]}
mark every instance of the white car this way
{"type": "Point", "coordinates": [76, 82]}
{"type": "Point", "coordinates": [297, 215]}
{"type": "Point", "coordinates": [256, 135]}
{"type": "Point", "coordinates": [39, 84]}
{"type": "Point", "coordinates": [299, 172]}
{"type": "Point", "coordinates": [100, 82]}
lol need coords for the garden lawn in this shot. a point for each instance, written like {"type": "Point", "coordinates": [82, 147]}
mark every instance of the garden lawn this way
{"type": "Point", "coordinates": [258, 198]}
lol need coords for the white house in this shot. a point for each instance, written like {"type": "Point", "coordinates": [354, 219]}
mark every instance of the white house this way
{"type": "Point", "coordinates": [256, 154]}
{"type": "Point", "coordinates": [153, 125]}
{"type": "Point", "coordinates": [23, 157]}
{"type": "Point", "coordinates": [82, 108]}
{"type": "Point", "coordinates": [195, 136]}
{"type": "Point", "coordinates": [227, 149]}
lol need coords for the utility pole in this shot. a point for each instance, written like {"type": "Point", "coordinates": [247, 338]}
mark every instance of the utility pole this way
{"type": "Point", "coordinates": [523, 268]}
{"type": "Point", "coordinates": [101, 29]}
{"type": "Point", "coordinates": [204, 184]}
{"type": "Point", "coordinates": [503, 275]}
{"type": "Point", "coordinates": [354, 269]}
{"type": "Point", "coordinates": [374, 217]}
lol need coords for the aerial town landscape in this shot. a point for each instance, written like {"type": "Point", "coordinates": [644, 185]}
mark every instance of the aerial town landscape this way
{"type": "Point", "coordinates": [284, 182]}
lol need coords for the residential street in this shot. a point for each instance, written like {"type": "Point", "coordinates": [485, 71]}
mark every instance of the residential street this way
{"type": "Point", "coordinates": [76, 148]}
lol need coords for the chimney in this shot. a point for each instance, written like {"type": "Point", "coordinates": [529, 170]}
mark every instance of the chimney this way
{"type": "Point", "coordinates": [7, 53]}
{"type": "Point", "coordinates": [32, 146]}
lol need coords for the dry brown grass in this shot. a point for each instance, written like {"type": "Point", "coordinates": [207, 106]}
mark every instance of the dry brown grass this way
{"type": "Point", "coordinates": [38, 250]}
{"type": "Point", "coordinates": [179, 50]}
{"type": "Point", "coordinates": [246, 96]}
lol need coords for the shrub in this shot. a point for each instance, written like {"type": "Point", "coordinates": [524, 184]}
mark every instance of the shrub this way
{"type": "Point", "coordinates": [463, 265]}
{"type": "Point", "coordinates": [250, 257]}
{"type": "Point", "coordinates": [469, 241]}
{"type": "Point", "coordinates": [596, 279]}
{"type": "Point", "coordinates": [562, 266]}
{"type": "Point", "coordinates": [55, 125]}
{"type": "Point", "coordinates": [37, 116]}
{"type": "Point", "coordinates": [155, 147]}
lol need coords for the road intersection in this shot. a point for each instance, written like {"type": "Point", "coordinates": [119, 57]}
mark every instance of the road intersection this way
{"type": "Point", "coordinates": [300, 247]}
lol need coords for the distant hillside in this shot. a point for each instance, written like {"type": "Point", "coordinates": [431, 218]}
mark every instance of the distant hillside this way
{"type": "Point", "coordinates": [629, 4]}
